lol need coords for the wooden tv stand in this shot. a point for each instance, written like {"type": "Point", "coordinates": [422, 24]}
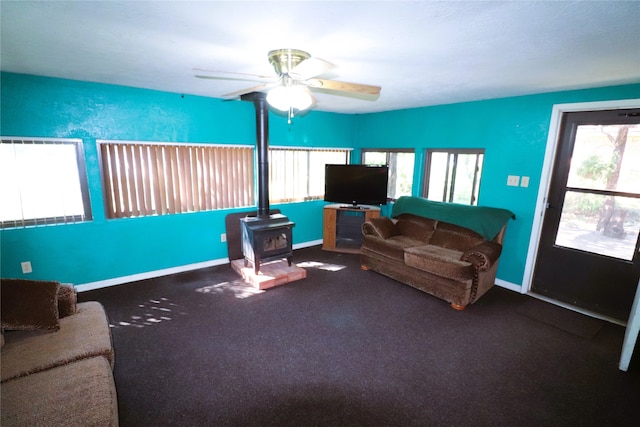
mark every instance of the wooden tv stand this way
{"type": "Point", "coordinates": [342, 226]}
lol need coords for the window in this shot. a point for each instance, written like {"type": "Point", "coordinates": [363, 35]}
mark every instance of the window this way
{"type": "Point", "coordinates": [297, 174]}
{"type": "Point", "coordinates": [400, 164]}
{"type": "Point", "coordinates": [453, 175]}
{"type": "Point", "coordinates": [42, 181]}
{"type": "Point", "coordinates": [160, 178]}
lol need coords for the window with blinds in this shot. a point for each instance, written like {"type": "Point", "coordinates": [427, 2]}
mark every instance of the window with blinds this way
{"type": "Point", "coordinates": [160, 178]}
{"type": "Point", "coordinates": [400, 163]}
{"type": "Point", "coordinates": [42, 181]}
{"type": "Point", "coordinates": [297, 174]}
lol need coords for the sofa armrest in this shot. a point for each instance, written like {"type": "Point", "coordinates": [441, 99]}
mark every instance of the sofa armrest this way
{"type": "Point", "coordinates": [382, 227]}
{"type": "Point", "coordinates": [483, 255]}
{"type": "Point", "coordinates": [67, 300]}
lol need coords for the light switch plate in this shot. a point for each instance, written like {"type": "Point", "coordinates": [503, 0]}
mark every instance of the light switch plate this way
{"type": "Point", "coordinates": [524, 182]}
{"type": "Point", "coordinates": [26, 267]}
{"type": "Point", "coordinates": [513, 180]}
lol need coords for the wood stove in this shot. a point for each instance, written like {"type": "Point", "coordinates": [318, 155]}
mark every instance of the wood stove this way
{"type": "Point", "coordinates": [264, 237]}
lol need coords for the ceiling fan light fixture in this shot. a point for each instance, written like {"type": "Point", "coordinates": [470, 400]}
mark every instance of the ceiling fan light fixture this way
{"type": "Point", "coordinates": [285, 98]}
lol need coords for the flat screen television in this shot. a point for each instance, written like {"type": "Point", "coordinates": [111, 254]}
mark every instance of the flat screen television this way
{"type": "Point", "coordinates": [356, 184]}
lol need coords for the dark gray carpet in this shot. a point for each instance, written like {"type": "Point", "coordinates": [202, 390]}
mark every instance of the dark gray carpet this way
{"type": "Point", "coordinates": [347, 347]}
{"type": "Point", "coordinates": [562, 318]}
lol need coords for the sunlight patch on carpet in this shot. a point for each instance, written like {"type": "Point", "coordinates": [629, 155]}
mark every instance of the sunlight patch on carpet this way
{"type": "Point", "coordinates": [321, 266]}
{"type": "Point", "coordinates": [238, 288]}
{"type": "Point", "coordinates": [152, 312]}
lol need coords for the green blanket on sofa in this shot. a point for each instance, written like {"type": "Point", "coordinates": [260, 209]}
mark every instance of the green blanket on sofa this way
{"type": "Point", "coordinates": [483, 220]}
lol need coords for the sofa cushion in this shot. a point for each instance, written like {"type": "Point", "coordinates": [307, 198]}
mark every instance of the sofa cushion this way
{"type": "Point", "coordinates": [451, 236]}
{"type": "Point", "coordinates": [439, 261]}
{"type": "Point", "coordinates": [392, 247]}
{"type": "Point", "coordinates": [382, 226]}
{"type": "Point", "coordinates": [29, 305]}
{"type": "Point", "coordinates": [79, 394]}
{"type": "Point", "coordinates": [416, 227]}
{"type": "Point", "coordinates": [81, 335]}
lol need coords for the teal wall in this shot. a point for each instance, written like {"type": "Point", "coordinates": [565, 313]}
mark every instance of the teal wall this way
{"type": "Point", "coordinates": [106, 249]}
{"type": "Point", "coordinates": [513, 132]}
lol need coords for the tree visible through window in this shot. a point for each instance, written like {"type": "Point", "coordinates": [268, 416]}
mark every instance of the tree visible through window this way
{"type": "Point", "coordinates": [401, 164]}
{"type": "Point", "coordinates": [453, 176]}
{"type": "Point", "coordinates": [602, 198]}
{"type": "Point", "coordinates": [42, 181]}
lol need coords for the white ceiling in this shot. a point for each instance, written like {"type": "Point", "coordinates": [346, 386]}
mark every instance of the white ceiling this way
{"type": "Point", "coordinates": [421, 52]}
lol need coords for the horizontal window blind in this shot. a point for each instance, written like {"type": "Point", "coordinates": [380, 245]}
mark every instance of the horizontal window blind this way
{"type": "Point", "coordinates": [156, 179]}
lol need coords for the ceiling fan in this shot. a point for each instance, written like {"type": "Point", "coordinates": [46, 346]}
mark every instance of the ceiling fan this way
{"type": "Point", "coordinates": [297, 74]}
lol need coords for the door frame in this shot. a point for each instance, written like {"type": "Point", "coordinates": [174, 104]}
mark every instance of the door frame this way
{"type": "Point", "coordinates": [545, 183]}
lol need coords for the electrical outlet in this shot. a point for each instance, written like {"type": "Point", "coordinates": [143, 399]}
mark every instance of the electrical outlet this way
{"type": "Point", "coordinates": [26, 267]}
{"type": "Point", "coordinates": [513, 180]}
{"type": "Point", "coordinates": [524, 182]}
{"type": "Point", "coordinates": [223, 237]}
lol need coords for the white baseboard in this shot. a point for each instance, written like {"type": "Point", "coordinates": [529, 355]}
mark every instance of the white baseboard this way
{"type": "Point", "coordinates": [149, 275]}
{"type": "Point", "coordinates": [167, 271]}
{"type": "Point", "coordinates": [509, 285]}
{"type": "Point", "coordinates": [196, 266]}
{"type": "Point", "coordinates": [307, 244]}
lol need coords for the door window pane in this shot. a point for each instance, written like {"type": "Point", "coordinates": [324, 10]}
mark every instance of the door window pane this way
{"type": "Point", "coordinates": [596, 217]}
{"type": "Point", "coordinates": [600, 224]}
{"type": "Point", "coordinates": [606, 158]}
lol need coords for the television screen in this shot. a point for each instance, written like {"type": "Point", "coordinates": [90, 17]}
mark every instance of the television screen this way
{"type": "Point", "coordinates": [356, 184]}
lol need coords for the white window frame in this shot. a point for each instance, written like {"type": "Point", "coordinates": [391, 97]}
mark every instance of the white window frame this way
{"type": "Point", "coordinates": [448, 191]}
{"type": "Point", "coordinates": [393, 172]}
{"type": "Point", "coordinates": [291, 181]}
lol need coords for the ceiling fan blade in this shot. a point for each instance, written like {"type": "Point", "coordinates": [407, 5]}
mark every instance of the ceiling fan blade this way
{"type": "Point", "coordinates": [247, 76]}
{"type": "Point", "coordinates": [241, 92]}
{"type": "Point", "coordinates": [344, 86]}
{"type": "Point", "coordinates": [311, 67]}
{"type": "Point", "coordinates": [235, 79]}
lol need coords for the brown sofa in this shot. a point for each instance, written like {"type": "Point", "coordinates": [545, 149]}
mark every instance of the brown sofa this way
{"type": "Point", "coordinates": [446, 260]}
{"type": "Point", "coordinates": [57, 358]}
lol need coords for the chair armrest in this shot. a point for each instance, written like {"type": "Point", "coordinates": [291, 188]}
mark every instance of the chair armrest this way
{"type": "Point", "coordinates": [483, 255]}
{"type": "Point", "coordinates": [381, 227]}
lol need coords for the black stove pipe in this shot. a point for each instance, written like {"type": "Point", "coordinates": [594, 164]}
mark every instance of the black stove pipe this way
{"type": "Point", "coordinates": [262, 140]}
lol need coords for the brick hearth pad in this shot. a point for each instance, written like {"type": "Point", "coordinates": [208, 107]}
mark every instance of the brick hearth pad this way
{"type": "Point", "coordinates": [271, 273]}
